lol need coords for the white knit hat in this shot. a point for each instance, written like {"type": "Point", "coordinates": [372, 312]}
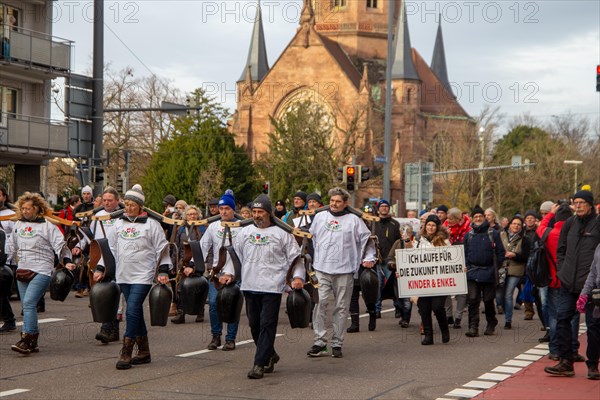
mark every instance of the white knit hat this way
{"type": "Point", "coordinates": [87, 189]}
{"type": "Point", "coordinates": [135, 194]}
{"type": "Point", "coordinates": [546, 206]}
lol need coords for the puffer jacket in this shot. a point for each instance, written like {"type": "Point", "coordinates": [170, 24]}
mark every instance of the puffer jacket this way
{"type": "Point", "coordinates": [576, 245]}
{"type": "Point", "coordinates": [479, 253]}
{"type": "Point", "coordinates": [551, 245]}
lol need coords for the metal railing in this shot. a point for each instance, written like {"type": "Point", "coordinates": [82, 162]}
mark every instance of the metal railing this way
{"type": "Point", "coordinates": [35, 48]}
{"type": "Point", "coordinates": [25, 134]}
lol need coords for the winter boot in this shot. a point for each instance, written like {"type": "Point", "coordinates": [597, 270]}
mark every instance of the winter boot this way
{"type": "Point", "coordinates": [114, 332]}
{"type": "Point", "coordinates": [372, 320]}
{"type": "Point", "coordinates": [354, 326]}
{"type": "Point", "coordinates": [25, 345]}
{"type": "Point", "coordinates": [563, 368]}
{"type": "Point", "coordinates": [179, 318]}
{"type": "Point", "coordinates": [125, 355]}
{"type": "Point", "coordinates": [143, 355]}
{"type": "Point", "coordinates": [34, 343]}
{"type": "Point", "coordinates": [428, 338]}
{"type": "Point", "coordinates": [529, 311]}
{"type": "Point", "coordinates": [215, 342]}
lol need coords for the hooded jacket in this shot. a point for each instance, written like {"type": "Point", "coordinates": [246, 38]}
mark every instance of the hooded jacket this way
{"type": "Point", "coordinates": [479, 253]}
{"type": "Point", "coordinates": [551, 245]}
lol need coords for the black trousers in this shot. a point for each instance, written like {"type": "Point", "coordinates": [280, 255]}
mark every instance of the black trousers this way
{"type": "Point", "coordinates": [477, 291]}
{"type": "Point", "coordinates": [436, 304]}
{"type": "Point", "coordinates": [262, 310]}
{"type": "Point", "coordinates": [6, 312]}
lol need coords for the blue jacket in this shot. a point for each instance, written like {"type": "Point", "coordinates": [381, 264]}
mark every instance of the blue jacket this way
{"type": "Point", "coordinates": [479, 253]}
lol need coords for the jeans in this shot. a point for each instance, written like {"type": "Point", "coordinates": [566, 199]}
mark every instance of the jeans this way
{"type": "Point", "coordinates": [565, 312]}
{"type": "Point", "coordinates": [405, 308]}
{"type": "Point", "coordinates": [543, 296]}
{"type": "Point", "coordinates": [384, 274]}
{"type": "Point", "coordinates": [135, 294]}
{"type": "Point", "coordinates": [216, 325]}
{"type": "Point", "coordinates": [553, 300]}
{"type": "Point", "coordinates": [505, 296]}
{"type": "Point", "coordinates": [31, 292]}
{"type": "Point", "coordinates": [263, 314]}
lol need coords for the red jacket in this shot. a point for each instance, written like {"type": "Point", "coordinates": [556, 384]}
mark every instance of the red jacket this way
{"type": "Point", "coordinates": [551, 245]}
{"type": "Point", "coordinates": [66, 213]}
{"type": "Point", "coordinates": [457, 232]}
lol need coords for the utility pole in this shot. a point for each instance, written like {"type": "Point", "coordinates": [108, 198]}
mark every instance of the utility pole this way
{"type": "Point", "coordinates": [387, 141]}
{"type": "Point", "coordinates": [98, 87]}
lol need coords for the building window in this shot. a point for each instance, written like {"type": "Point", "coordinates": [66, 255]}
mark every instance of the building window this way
{"type": "Point", "coordinates": [338, 4]}
{"type": "Point", "coordinates": [8, 104]}
{"type": "Point", "coordinates": [371, 3]}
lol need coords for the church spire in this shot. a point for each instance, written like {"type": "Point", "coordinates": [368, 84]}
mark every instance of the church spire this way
{"type": "Point", "coordinates": [403, 67]}
{"type": "Point", "coordinates": [438, 61]}
{"type": "Point", "coordinates": [257, 54]}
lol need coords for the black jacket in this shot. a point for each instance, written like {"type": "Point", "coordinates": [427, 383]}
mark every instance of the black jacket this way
{"type": "Point", "coordinates": [576, 245]}
{"type": "Point", "coordinates": [387, 231]}
{"type": "Point", "coordinates": [479, 253]}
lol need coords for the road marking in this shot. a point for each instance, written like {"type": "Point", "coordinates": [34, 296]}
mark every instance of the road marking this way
{"type": "Point", "coordinates": [479, 384]}
{"type": "Point", "coordinates": [537, 351]}
{"type": "Point", "coordinates": [195, 353]}
{"type": "Point", "coordinates": [44, 321]}
{"type": "Point", "coordinates": [528, 357]}
{"type": "Point", "coordinates": [494, 377]}
{"type": "Point", "coordinates": [517, 363]}
{"type": "Point", "coordinates": [468, 393]}
{"type": "Point", "coordinates": [507, 370]}
{"type": "Point", "coordinates": [14, 391]}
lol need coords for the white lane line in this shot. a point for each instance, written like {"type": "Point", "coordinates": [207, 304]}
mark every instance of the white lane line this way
{"type": "Point", "coordinates": [528, 357]}
{"type": "Point", "coordinates": [44, 321]}
{"type": "Point", "coordinates": [480, 384]}
{"type": "Point", "coordinates": [468, 393]}
{"type": "Point", "coordinates": [537, 351]}
{"type": "Point", "coordinates": [542, 346]}
{"type": "Point", "coordinates": [14, 391]}
{"type": "Point", "coordinates": [517, 363]}
{"type": "Point", "coordinates": [493, 377]}
{"type": "Point", "coordinates": [195, 353]}
{"type": "Point", "coordinates": [507, 370]}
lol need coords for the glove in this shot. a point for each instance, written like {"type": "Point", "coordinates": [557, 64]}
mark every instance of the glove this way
{"type": "Point", "coordinates": [581, 302]}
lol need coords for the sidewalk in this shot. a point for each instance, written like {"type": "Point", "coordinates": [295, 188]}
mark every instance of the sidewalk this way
{"type": "Point", "coordinates": [533, 383]}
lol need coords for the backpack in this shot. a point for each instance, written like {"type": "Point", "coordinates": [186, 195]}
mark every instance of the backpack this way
{"type": "Point", "coordinates": [538, 268]}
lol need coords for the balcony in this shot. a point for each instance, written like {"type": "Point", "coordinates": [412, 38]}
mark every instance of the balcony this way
{"type": "Point", "coordinates": [34, 55]}
{"type": "Point", "coordinates": [32, 138]}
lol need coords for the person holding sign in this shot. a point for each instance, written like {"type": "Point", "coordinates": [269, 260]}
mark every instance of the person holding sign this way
{"type": "Point", "coordinates": [432, 235]}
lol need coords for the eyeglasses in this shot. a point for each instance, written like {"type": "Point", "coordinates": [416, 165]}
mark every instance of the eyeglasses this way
{"type": "Point", "coordinates": [579, 203]}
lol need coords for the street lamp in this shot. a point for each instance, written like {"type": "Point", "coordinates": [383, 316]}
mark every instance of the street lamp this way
{"type": "Point", "coordinates": [576, 163]}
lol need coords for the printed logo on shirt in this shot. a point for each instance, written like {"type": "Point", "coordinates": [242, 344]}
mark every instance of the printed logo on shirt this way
{"type": "Point", "coordinates": [130, 234]}
{"type": "Point", "coordinates": [333, 226]}
{"type": "Point", "coordinates": [109, 222]}
{"type": "Point", "coordinates": [27, 232]}
{"type": "Point", "coordinates": [221, 231]}
{"type": "Point", "coordinates": [258, 239]}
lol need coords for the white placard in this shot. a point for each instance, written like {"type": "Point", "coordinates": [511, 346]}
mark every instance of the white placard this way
{"type": "Point", "coordinates": [432, 271]}
{"type": "Point", "coordinates": [414, 222]}
{"type": "Point", "coordinates": [298, 220]}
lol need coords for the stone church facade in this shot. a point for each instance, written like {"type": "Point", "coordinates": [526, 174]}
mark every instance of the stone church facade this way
{"type": "Point", "coordinates": [337, 59]}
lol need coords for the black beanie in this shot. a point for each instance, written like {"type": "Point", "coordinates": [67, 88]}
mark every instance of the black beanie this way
{"type": "Point", "coordinates": [314, 196]}
{"type": "Point", "coordinates": [530, 212]}
{"type": "Point", "coordinates": [563, 213]}
{"type": "Point", "coordinates": [263, 201]}
{"type": "Point", "coordinates": [585, 195]}
{"type": "Point", "coordinates": [477, 210]}
{"type": "Point", "coordinates": [302, 195]}
{"type": "Point", "coordinates": [443, 208]}
{"type": "Point", "coordinates": [433, 218]}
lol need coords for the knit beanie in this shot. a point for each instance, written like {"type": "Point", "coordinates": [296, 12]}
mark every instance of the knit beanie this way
{"type": "Point", "coordinates": [263, 201]}
{"type": "Point", "coordinates": [227, 199]}
{"type": "Point", "coordinates": [87, 189]}
{"type": "Point", "coordinates": [477, 210]}
{"type": "Point", "coordinates": [443, 208]}
{"type": "Point", "coordinates": [169, 200]}
{"type": "Point", "coordinates": [546, 206]}
{"type": "Point", "coordinates": [314, 196]}
{"type": "Point", "coordinates": [135, 194]}
{"type": "Point", "coordinates": [302, 195]}
{"type": "Point", "coordinates": [585, 195]}
{"type": "Point", "coordinates": [530, 212]}
{"type": "Point", "coordinates": [381, 202]}
{"type": "Point", "coordinates": [433, 218]}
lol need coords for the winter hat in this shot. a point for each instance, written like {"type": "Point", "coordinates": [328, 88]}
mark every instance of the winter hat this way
{"type": "Point", "coordinates": [314, 196]}
{"type": "Point", "coordinates": [381, 202]}
{"type": "Point", "coordinates": [433, 218]}
{"type": "Point", "coordinates": [213, 202]}
{"type": "Point", "coordinates": [302, 195]}
{"type": "Point", "coordinates": [227, 199]}
{"type": "Point", "coordinates": [443, 208]}
{"type": "Point", "coordinates": [517, 216]}
{"type": "Point", "coordinates": [169, 200]}
{"type": "Point", "coordinates": [87, 189]}
{"type": "Point", "coordinates": [530, 212]}
{"type": "Point", "coordinates": [546, 206]}
{"type": "Point", "coordinates": [585, 195]}
{"type": "Point", "coordinates": [263, 201]}
{"type": "Point", "coordinates": [477, 210]}
{"type": "Point", "coordinates": [422, 212]}
{"type": "Point", "coordinates": [278, 203]}
{"type": "Point", "coordinates": [135, 194]}
{"type": "Point", "coordinates": [563, 213]}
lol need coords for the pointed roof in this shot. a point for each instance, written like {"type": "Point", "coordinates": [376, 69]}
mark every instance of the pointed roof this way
{"type": "Point", "coordinates": [257, 54]}
{"type": "Point", "coordinates": [403, 67]}
{"type": "Point", "coordinates": [438, 61]}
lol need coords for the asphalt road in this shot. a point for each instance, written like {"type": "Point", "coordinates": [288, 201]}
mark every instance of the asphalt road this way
{"type": "Point", "coordinates": [388, 363]}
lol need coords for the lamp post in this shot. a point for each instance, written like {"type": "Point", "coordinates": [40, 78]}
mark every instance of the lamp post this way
{"type": "Point", "coordinates": [481, 164]}
{"type": "Point", "coordinates": [576, 163]}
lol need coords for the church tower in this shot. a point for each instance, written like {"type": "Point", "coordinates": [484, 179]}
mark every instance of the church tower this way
{"type": "Point", "coordinates": [359, 26]}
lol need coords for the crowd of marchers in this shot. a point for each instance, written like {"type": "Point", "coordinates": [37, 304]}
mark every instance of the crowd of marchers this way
{"type": "Point", "coordinates": [334, 252]}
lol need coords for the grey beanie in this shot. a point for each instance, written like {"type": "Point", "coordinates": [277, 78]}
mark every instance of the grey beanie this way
{"type": "Point", "coordinates": [135, 194]}
{"type": "Point", "coordinates": [263, 201]}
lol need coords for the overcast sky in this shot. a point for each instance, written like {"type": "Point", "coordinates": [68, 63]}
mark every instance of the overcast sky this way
{"type": "Point", "coordinates": [536, 57]}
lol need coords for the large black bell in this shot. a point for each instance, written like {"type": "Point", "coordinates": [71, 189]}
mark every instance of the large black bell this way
{"type": "Point", "coordinates": [369, 285]}
{"type": "Point", "coordinates": [104, 301]}
{"type": "Point", "coordinates": [160, 298]}
{"type": "Point", "coordinates": [298, 307]}
{"type": "Point", "coordinates": [61, 283]}
{"type": "Point", "coordinates": [6, 280]}
{"type": "Point", "coordinates": [193, 293]}
{"type": "Point", "coordinates": [229, 303]}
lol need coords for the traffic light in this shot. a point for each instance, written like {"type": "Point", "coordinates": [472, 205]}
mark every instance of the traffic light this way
{"type": "Point", "coordinates": [267, 188]}
{"type": "Point", "coordinates": [120, 183]}
{"type": "Point", "coordinates": [350, 173]}
{"type": "Point", "coordinates": [598, 78]}
{"type": "Point", "coordinates": [363, 173]}
{"type": "Point", "coordinates": [98, 174]}
{"type": "Point", "coordinates": [340, 175]}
